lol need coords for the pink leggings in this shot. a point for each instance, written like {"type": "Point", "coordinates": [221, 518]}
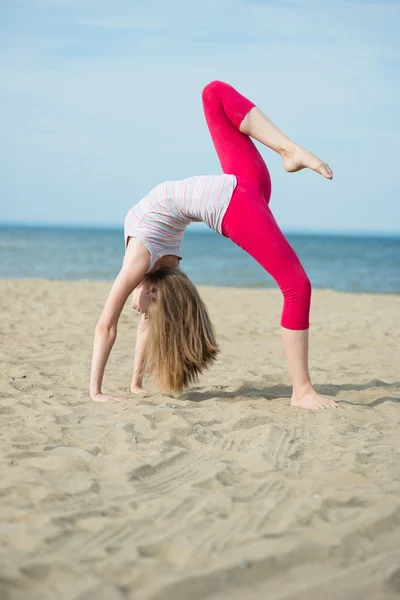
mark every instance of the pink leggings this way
{"type": "Point", "coordinates": [248, 221]}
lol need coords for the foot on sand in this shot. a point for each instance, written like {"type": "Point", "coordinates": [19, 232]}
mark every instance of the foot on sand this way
{"type": "Point", "coordinates": [105, 398]}
{"type": "Point", "coordinates": [312, 401]}
{"type": "Point", "coordinates": [298, 158]}
{"type": "Point", "coordinates": [138, 389]}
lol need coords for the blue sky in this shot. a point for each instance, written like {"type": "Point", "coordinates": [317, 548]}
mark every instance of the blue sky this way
{"type": "Point", "coordinates": [100, 101]}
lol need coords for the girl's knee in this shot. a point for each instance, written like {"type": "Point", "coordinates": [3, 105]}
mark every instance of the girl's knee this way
{"type": "Point", "coordinates": [212, 90]}
{"type": "Point", "coordinates": [304, 287]}
{"type": "Point", "coordinates": [298, 290]}
{"type": "Point", "coordinates": [297, 302]}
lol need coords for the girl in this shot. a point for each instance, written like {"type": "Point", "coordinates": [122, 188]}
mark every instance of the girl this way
{"type": "Point", "coordinates": [175, 337]}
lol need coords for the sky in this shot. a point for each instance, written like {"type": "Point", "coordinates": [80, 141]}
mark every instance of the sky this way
{"type": "Point", "coordinates": [100, 101]}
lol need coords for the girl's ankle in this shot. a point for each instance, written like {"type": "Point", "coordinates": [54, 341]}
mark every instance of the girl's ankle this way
{"type": "Point", "coordinates": [300, 390]}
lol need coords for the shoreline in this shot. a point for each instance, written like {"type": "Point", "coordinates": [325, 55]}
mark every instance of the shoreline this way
{"type": "Point", "coordinates": [200, 286]}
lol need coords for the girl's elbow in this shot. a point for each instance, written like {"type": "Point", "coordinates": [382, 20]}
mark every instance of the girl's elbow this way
{"type": "Point", "coordinates": [106, 328]}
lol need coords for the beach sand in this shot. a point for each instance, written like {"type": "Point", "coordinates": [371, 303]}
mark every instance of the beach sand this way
{"type": "Point", "coordinates": [226, 493]}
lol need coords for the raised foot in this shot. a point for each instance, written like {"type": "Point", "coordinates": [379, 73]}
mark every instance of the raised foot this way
{"type": "Point", "coordinates": [312, 401]}
{"type": "Point", "coordinates": [298, 158]}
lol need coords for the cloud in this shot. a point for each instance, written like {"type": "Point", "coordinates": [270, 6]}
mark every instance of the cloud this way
{"type": "Point", "coordinates": [101, 101]}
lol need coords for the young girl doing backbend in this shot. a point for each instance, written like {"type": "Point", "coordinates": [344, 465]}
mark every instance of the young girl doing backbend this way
{"type": "Point", "coordinates": [175, 337]}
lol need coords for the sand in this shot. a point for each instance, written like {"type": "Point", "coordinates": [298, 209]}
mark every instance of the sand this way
{"type": "Point", "coordinates": [226, 493]}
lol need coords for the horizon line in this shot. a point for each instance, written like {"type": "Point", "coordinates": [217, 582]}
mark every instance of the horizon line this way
{"type": "Point", "coordinates": [201, 228]}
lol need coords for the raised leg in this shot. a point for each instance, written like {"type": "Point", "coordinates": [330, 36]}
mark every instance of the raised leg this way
{"type": "Point", "coordinates": [225, 109]}
{"type": "Point", "coordinates": [294, 157]}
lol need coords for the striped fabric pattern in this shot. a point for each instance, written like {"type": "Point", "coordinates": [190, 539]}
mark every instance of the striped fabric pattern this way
{"type": "Point", "coordinates": [159, 220]}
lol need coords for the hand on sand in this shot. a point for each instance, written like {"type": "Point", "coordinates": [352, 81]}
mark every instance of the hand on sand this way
{"type": "Point", "coordinates": [104, 398]}
{"type": "Point", "coordinates": [138, 389]}
{"type": "Point", "coordinates": [312, 401]}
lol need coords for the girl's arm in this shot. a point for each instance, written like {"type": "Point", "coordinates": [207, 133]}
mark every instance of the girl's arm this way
{"type": "Point", "coordinates": [135, 266]}
{"type": "Point", "coordinates": [140, 352]}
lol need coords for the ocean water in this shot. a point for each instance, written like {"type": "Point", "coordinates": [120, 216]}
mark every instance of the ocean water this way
{"type": "Point", "coordinates": [340, 262]}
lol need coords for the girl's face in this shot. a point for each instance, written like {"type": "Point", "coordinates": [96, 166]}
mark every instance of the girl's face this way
{"type": "Point", "coordinates": [142, 296]}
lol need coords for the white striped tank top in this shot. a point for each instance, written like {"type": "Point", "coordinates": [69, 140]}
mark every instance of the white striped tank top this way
{"type": "Point", "coordinates": [159, 220]}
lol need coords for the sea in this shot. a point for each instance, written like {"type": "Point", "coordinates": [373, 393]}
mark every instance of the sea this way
{"type": "Point", "coordinates": [351, 263]}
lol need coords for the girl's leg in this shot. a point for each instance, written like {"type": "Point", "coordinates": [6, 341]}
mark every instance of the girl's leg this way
{"type": "Point", "coordinates": [304, 395]}
{"type": "Point", "coordinates": [228, 114]}
{"type": "Point", "coordinates": [225, 109]}
{"type": "Point", "coordinates": [251, 225]}
{"type": "Point", "coordinates": [294, 156]}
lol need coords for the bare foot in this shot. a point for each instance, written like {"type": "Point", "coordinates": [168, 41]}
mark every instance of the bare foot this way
{"type": "Point", "coordinates": [105, 398]}
{"type": "Point", "coordinates": [312, 401]}
{"type": "Point", "coordinates": [298, 158]}
{"type": "Point", "coordinates": [137, 389]}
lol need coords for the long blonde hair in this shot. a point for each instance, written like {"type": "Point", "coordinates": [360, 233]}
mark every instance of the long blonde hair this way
{"type": "Point", "coordinates": [181, 340]}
